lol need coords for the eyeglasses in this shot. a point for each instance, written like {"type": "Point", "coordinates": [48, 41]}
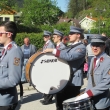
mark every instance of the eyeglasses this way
{"type": "Point", "coordinates": [5, 33]}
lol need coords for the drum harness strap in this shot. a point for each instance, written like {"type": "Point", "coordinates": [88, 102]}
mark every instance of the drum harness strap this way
{"type": "Point", "coordinates": [93, 83]}
{"type": "Point", "coordinates": [72, 46]}
{"type": "Point", "coordinates": [92, 75]}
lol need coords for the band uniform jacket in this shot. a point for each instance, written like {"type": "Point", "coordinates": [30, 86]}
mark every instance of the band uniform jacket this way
{"type": "Point", "coordinates": [10, 74]}
{"type": "Point", "coordinates": [75, 57]}
{"type": "Point", "coordinates": [100, 92]}
{"type": "Point", "coordinates": [50, 44]}
{"type": "Point", "coordinates": [60, 46]}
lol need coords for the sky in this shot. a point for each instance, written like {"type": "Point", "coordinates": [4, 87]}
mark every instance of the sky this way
{"type": "Point", "coordinates": [62, 4]}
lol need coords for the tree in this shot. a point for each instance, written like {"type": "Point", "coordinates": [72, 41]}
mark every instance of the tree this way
{"type": "Point", "coordinates": [10, 3]}
{"type": "Point", "coordinates": [13, 4]}
{"type": "Point", "coordinates": [75, 6]}
{"type": "Point", "coordinates": [38, 12]}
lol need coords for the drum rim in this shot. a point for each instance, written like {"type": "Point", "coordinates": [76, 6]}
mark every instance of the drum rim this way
{"type": "Point", "coordinates": [77, 101]}
{"type": "Point", "coordinates": [58, 58]}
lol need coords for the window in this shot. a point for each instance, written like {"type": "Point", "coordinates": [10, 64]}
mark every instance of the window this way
{"type": "Point", "coordinates": [7, 19]}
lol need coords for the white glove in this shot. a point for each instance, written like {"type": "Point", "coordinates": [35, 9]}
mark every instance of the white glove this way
{"type": "Point", "coordinates": [83, 96]}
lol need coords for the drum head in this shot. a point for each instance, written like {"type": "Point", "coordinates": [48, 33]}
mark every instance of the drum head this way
{"type": "Point", "coordinates": [49, 74]}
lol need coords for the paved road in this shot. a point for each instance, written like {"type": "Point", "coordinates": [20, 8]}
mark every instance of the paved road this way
{"type": "Point", "coordinates": [32, 99]}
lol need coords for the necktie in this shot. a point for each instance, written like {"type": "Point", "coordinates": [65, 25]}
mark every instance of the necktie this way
{"type": "Point", "coordinates": [95, 59]}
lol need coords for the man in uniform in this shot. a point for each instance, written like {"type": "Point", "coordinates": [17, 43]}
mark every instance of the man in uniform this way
{"type": "Point", "coordinates": [75, 56]}
{"type": "Point", "coordinates": [47, 40]}
{"type": "Point", "coordinates": [57, 39]}
{"type": "Point", "coordinates": [99, 76]}
{"type": "Point", "coordinates": [48, 44]}
{"type": "Point", "coordinates": [10, 66]}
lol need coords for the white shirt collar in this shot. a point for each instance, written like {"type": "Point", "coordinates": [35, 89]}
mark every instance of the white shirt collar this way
{"type": "Point", "coordinates": [75, 42]}
{"type": "Point", "coordinates": [58, 43]}
{"type": "Point", "coordinates": [7, 45]}
{"type": "Point", "coordinates": [47, 42]}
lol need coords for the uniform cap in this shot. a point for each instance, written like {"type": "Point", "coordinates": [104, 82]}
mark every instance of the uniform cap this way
{"type": "Point", "coordinates": [98, 38]}
{"type": "Point", "coordinates": [57, 32]}
{"type": "Point", "coordinates": [74, 29]}
{"type": "Point", "coordinates": [47, 33]}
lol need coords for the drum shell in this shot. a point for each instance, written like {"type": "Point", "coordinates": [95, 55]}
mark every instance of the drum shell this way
{"type": "Point", "coordinates": [84, 104]}
{"type": "Point", "coordinates": [28, 65]}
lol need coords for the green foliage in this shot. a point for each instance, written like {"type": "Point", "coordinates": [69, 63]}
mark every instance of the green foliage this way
{"type": "Point", "coordinates": [64, 27]}
{"type": "Point", "coordinates": [75, 6]}
{"type": "Point", "coordinates": [9, 3]}
{"type": "Point", "coordinates": [28, 29]}
{"type": "Point", "coordinates": [38, 12]}
{"type": "Point", "coordinates": [35, 39]}
{"type": "Point", "coordinates": [102, 30]}
{"type": "Point", "coordinates": [79, 8]}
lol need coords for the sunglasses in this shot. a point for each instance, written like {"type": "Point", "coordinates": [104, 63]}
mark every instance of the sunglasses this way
{"type": "Point", "coordinates": [4, 33]}
{"type": "Point", "coordinates": [97, 44]}
{"type": "Point", "coordinates": [71, 33]}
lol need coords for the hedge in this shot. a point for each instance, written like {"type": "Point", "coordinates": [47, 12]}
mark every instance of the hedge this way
{"type": "Point", "coordinates": [35, 39]}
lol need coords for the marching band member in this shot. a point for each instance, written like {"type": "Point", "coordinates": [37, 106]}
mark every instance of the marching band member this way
{"type": "Point", "coordinates": [57, 39]}
{"type": "Point", "coordinates": [99, 76]}
{"type": "Point", "coordinates": [10, 66]}
{"type": "Point", "coordinates": [47, 40]}
{"type": "Point", "coordinates": [48, 44]}
{"type": "Point", "coordinates": [75, 56]}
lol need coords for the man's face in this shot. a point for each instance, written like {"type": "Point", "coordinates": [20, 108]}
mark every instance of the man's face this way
{"type": "Point", "coordinates": [97, 48]}
{"type": "Point", "coordinates": [56, 38]}
{"type": "Point", "coordinates": [46, 38]}
{"type": "Point", "coordinates": [26, 41]}
{"type": "Point", "coordinates": [4, 36]}
{"type": "Point", "coordinates": [73, 37]}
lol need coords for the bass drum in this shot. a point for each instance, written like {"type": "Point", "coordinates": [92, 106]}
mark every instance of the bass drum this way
{"type": "Point", "coordinates": [47, 73]}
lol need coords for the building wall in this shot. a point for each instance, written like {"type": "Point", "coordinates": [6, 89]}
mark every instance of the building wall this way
{"type": "Point", "coordinates": [6, 17]}
{"type": "Point", "coordinates": [87, 24]}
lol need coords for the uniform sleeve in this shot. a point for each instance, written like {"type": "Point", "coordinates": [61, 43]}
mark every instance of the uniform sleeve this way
{"type": "Point", "coordinates": [73, 54]}
{"type": "Point", "coordinates": [53, 46]}
{"type": "Point", "coordinates": [13, 70]}
{"type": "Point", "coordinates": [103, 85]}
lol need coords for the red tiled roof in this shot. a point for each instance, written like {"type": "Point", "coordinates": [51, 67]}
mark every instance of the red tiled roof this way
{"type": "Point", "coordinates": [92, 18]}
{"type": "Point", "coordinates": [67, 20]}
